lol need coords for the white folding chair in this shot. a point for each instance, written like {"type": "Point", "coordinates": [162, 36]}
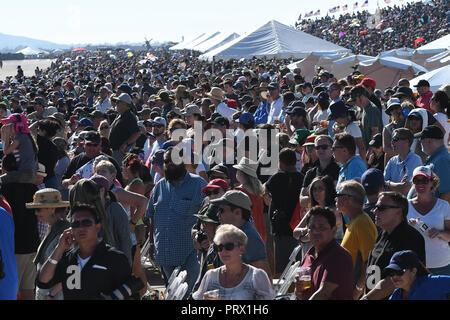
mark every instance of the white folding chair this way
{"type": "Point", "coordinates": [172, 277]}
{"type": "Point", "coordinates": [180, 291]}
{"type": "Point", "coordinates": [146, 259]}
{"type": "Point", "coordinates": [289, 279]}
{"type": "Point", "coordinates": [278, 282]}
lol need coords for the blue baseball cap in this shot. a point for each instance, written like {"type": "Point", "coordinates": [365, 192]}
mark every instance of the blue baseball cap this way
{"type": "Point", "coordinates": [85, 122]}
{"type": "Point", "coordinates": [245, 118]}
{"type": "Point", "coordinates": [403, 260]}
{"type": "Point", "coordinates": [372, 178]}
{"type": "Point", "coordinates": [273, 85]}
{"type": "Point", "coordinates": [337, 110]}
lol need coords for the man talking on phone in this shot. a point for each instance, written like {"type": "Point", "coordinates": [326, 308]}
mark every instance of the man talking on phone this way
{"type": "Point", "coordinates": [87, 267]}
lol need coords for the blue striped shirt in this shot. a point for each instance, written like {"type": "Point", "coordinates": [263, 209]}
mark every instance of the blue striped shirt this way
{"type": "Point", "coordinates": [172, 208]}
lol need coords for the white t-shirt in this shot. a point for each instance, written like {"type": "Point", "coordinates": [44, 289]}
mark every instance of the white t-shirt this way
{"type": "Point", "coordinates": [255, 286]}
{"type": "Point", "coordinates": [442, 118]}
{"type": "Point", "coordinates": [437, 250]}
{"type": "Point", "coordinates": [353, 129]}
{"type": "Point", "coordinates": [275, 110]}
{"type": "Point", "coordinates": [225, 111]}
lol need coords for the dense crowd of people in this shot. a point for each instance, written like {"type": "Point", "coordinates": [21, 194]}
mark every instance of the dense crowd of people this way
{"type": "Point", "coordinates": [225, 170]}
{"type": "Point", "coordinates": [412, 25]}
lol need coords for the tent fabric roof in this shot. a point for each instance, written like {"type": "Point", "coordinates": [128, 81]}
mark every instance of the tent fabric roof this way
{"type": "Point", "coordinates": [436, 78]}
{"type": "Point", "coordinates": [441, 43]}
{"type": "Point", "coordinates": [215, 42]}
{"type": "Point", "coordinates": [184, 43]}
{"type": "Point", "coordinates": [273, 39]}
{"type": "Point", "coordinates": [28, 51]}
{"type": "Point", "coordinates": [200, 40]}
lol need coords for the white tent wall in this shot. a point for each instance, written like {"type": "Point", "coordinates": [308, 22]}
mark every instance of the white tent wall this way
{"type": "Point", "coordinates": [200, 40]}
{"type": "Point", "coordinates": [436, 78]}
{"type": "Point", "coordinates": [273, 39]}
{"type": "Point", "coordinates": [441, 43]}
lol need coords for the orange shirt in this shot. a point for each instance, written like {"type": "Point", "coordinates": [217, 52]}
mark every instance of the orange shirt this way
{"type": "Point", "coordinates": [257, 212]}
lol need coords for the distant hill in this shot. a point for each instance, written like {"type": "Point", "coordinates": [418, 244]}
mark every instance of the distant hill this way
{"type": "Point", "coordinates": [12, 44]}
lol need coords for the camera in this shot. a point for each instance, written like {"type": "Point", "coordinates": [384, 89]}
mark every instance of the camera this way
{"type": "Point", "coordinates": [201, 236]}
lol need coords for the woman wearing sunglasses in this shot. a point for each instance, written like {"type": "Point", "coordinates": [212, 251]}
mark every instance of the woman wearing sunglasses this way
{"type": "Point", "coordinates": [235, 280]}
{"type": "Point", "coordinates": [412, 279]}
{"type": "Point", "coordinates": [431, 216]}
{"type": "Point", "coordinates": [49, 208]}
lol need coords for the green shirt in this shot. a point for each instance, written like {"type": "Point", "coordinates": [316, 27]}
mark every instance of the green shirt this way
{"type": "Point", "coordinates": [371, 117]}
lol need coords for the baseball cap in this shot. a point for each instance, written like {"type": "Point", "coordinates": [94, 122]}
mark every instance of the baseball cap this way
{"type": "Point", "coordinates": [273, 85]}
{"type": "Point", "coordinates": [431, 132]}
{"type": "Point", "coordinates": [92, 136]}
{"type": "Point", "coordinates": [368, 82]}
{"type": "Point", "coordinates": [422, 83]}
{"type": "Point", "coordinates": [323, 96]}
{"type": "Point", "coordinates": [41, 170]}
{"type": "Point", "coordinates": [160, 120]}
{"type": "Point", "coordinates": [300, 136]}
{"type": "Point", "coordinates": [372, 178]}
{"type": "Point", "coordinates": [232, 103]}
{"type": "Point", "coordinates": [423, 171]}
{"type": "Point", "coordinates": [403, 91]}
{"type": "Point", "coordinates": [236, 198]}
{"type": "Point", "coordinates": [191, 110]}
{"type": "Point", "coordinates": [296, 103]}
{"type": "Point", "coordinates": [310, 140]}
{"type": "Point", "coordinates": [245, 118]}
{"type": "Point", "coordinates": [209, 213]}
{"type": "Point", "coordinates": [403, 260]}
{"type": "Point", "coordinates": [377, 141]}
{"type": "Point", "coordinates": [216, 183]}
{"type": "Point", "coordinates": [337, 109]}
{"type": "Point", "coordinates": [85, 122]}
{"type": "Point", "coordinates": [124, 97]}
{"type": "Point", "coordinates": [299, 111]}
{"type": "Point", "coordinates": [392, 103]}
{"type": "Point", "coordinates": [307, 97]}
{"type": "Point", "coordinates": [221, 121]}
{"type": "Point", "coordinates": [220, 168]}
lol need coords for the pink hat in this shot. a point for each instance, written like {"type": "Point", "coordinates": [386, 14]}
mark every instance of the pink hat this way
{"type": "Point", "coordinates": [216, 183]}
{"type": "Point", "coordinates": [423, 171]}
{"type": "Point", "coordinates": [20, 120]}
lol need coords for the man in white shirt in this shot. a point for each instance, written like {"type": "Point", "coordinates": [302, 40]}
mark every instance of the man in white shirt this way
{"type": "Point", "coordinates": [277, 103]}
{"type": "Point", "coordinates": [103, 103]}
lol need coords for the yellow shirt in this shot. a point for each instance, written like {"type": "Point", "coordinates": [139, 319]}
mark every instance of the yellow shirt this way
{"type": "Point", "coordinates": [359, 239]}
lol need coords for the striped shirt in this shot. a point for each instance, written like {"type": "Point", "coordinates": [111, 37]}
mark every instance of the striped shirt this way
{"type": "Point", "coordinates": [172, 208]}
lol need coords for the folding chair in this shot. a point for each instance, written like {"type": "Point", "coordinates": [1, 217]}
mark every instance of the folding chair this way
{"type": "Point", "coordinates": [146, 259]}
{"type": "Point", "coordinates": [278, 282]}
{"type": "Point", "coordinates": [290, 277]}
{"type": "Point", "coordinates": [172, 278]}
{"type": "Point", "coordinates": [180, 291]}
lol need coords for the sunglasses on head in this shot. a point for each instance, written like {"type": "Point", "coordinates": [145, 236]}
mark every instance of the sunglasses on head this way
{"type": "Point", "coordinates": [397, 138]}
{"type": "Point", "coordinates": [383, 207]}
{"type": "Point", "coordinates": [322, 147]}
{"type": "Point", "coordinates": [421, 180]}
{"type": "Point", "coordinates": [81, 223]}
{"type": "Point", "coordinates": [214, 191]}
{"type": "Point", "coordinates": [227, 246]}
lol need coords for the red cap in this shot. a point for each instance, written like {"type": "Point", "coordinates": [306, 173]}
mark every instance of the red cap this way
{"type": "Point", "coordinates": [368, 82]}
{"type": "Point", "coordinates": [216, 183]}
{"type": "Point", "coordinates": [232, 104]}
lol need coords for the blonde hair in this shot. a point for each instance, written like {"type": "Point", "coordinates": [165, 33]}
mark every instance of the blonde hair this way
{"type": "Point", "coordinates": [107, 164]}
{"type": "Point", "coordinates": [230, 232]}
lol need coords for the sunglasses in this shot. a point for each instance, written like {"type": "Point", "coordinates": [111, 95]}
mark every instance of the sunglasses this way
{"type": "Point", "coordinates": [322, 147]}
{"type": "Point", "coordinates": [384, 207]}
{"type": "Point", "coordinates": [82, 223]}
{"type": "Point", "coordinates": [214, 191]}
{"type": "Point", "coordinates": [398, 273]}
{"type": "Point", "coordinates": [421, 180]}
{"type": "Point", "coordinates": [227, 246]}
{"type": "Point", "coordinates": [397, 138]}
{"type": "Point", "coordinates": [104, 128]}
{"type": "Point", "coordinates": [91, 145]}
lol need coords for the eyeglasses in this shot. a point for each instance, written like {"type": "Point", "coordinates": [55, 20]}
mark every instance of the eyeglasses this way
{"type": "Point", "coordinates": [322, 147]}
{"type": "Point", "coordinates": [227, 246]}
{"type": "Point", "coordinates": [421, 180]}
{"type": "Point", "coordinates": [83, 223]}
{"type": "Point", "coordinates": [384, 207]}
{"type": "Point", "coordinates": [397, 138]}
{"type": "Point", "coordinates": [214, 191]}
{"type": "Point", "coordinates": [93, 145]}
{"type": "Point", "coordinates": [398, 273]}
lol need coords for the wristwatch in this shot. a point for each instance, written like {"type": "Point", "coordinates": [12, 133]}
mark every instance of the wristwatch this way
{"type": "Point", "coordinates": [49, 294]}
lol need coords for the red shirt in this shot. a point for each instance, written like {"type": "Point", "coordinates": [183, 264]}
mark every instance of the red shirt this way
{"type": "Point", "coordinates": [257, 213]}
{"type": "Point", "coordinates": [334, 264]}
{"type": "Point", "coordinates": [424, 101]}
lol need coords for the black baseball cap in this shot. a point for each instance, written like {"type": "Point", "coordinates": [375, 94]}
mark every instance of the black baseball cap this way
{"type": "Point", "coordinates": [422, 83]}
{"type": "Point", "coordinates": [431, 132]}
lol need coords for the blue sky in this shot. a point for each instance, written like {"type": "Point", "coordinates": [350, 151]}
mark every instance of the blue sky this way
{"type": "Point", "coordinates": [100, 21]}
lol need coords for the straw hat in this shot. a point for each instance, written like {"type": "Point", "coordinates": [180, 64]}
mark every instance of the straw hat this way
{"type": "Point", "coordinates": [47, 198]}
{"type": "Point", "coordinates": [216, 93]}
{"type": "Point", "coordinates": [247, 166]}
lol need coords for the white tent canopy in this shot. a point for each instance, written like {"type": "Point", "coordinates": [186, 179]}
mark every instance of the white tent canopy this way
{"type": "Point", "coordinates": [200, 40]}
{"type": "Point", "coordinates": [418, 56]}
{"type": "Point", "coordinates": [28, 51]}
{"type": "Point", "coordinates": [215, 42]}
{"type": "Point", "coordinates": [436, 78]}
{"type": "Point", "coordinates": [437, 61]}
{"type": "Point", "coordinates": [273, 39]}
{"type": "Point", "coordinates": [441, 43]}
{"type": "Point", "coordinates": [386, 71]}
{"type": "Point", "coordinates": [184, 43]}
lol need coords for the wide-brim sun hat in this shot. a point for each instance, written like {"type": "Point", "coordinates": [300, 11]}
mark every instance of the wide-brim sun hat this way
{"type": "Point", "coordinates": [47, 198]}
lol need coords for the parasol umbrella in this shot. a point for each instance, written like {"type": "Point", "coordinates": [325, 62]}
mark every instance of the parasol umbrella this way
{"type": "Point", "coordinates": [78, 49]}
{"type": "Point", "coordinates": [364, 32]}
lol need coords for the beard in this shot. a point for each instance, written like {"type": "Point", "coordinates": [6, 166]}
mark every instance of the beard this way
{"type": "Point", "coordinates": [175, 173]}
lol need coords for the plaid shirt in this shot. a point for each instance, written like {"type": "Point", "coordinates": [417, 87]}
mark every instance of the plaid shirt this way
{"type": "Point", "coordinates": [172, 208]}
